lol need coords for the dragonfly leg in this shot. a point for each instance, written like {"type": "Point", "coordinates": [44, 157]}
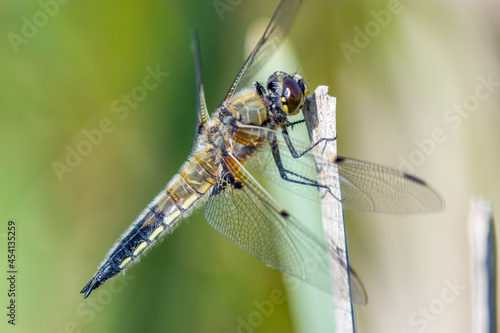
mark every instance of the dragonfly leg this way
{"type": "Point", "coordinates": [259, 89]}
{"type": "Point", "coordinates": [292, 148]}
{"type": "Point", "coordinates": [284, 173]}
{"type": "Point", "coordinates": [293, 123]}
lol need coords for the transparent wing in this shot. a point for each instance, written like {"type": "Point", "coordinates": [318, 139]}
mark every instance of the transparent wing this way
{"type": "Point", "coordinates": [240, 209]}
{"type": "Point", "coordinates": [365, 186]}
{"type": "Point", "coordinates": [202, 115]}
{"type": "Point", "coordinates": [265, 166]}
{"type": "Point", "coordinates": [374, 188]}
{"type": "Point", "coordinates": [268, 44]}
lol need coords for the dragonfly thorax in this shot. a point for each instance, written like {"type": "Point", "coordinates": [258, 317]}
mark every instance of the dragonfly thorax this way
{"type": "Point", "coordinates": [248, 108]}
{"type": "Point", "coordinates": [242, 124]}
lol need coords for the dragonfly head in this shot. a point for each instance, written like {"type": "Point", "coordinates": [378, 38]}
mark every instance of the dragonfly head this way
{"type": "Point", "coordinates": [291, 90]}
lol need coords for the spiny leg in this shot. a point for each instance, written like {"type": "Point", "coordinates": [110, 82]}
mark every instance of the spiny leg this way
{"type": "Point", "coordinates": [284, 173]}
{"type": "Point", "coordinates": [292, 148]}
{"type": "Point", "coordinates": [293, 123]}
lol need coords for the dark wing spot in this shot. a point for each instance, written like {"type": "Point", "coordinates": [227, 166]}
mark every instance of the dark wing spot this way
{"type": "Point", "coordinates": [230, 180]}
{"type": "Point", "coordinates": [217, 188]}
{"type": "Point", "coordinates": [415, 179]}
{"type": "Point", "coordinates": [284, 213]}
{"type": "Point", "coordinates": [338, 159]}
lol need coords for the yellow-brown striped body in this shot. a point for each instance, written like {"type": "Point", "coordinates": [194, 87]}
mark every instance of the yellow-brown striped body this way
{"type": "Point", "coordinates": [197, 176]}
{"type": "Point", "coordinates": [248, 109]}
{"type": "Point", "coordinates": [238, 128]}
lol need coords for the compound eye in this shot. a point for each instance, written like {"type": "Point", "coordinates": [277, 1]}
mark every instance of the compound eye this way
{"type": "Point", "coordinates": [291, 88]}
{"type": "Point", "coordinates": [293, 95]}
{"type": "Point", "coordinates": [302, 86]}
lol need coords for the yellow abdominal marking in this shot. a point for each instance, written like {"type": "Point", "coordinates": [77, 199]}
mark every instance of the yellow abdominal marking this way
{"type": "Point", "coordinates": [172, 217]}
{"type": "Point", "coordinates": [156, 233]}
{"type": "Point", "coordinates": [194, 182]}
{"type": "Point", "coordinates": [283, 100]}
{"type": "Point", "coordinates": [189, 201]}
{"type": "Point", "coordinates": [124, 262]}
{"type": "Point", "coordinates": [140, 248]}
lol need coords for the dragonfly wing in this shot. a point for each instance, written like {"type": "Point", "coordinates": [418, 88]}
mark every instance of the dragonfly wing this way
{"type": "Point", "coordinates": [202, 115]}
{"type": "Point", "coordinates": [374, 188]}
{"type": "Point", "coordinates": [358, 292]}
{"type": "Point", "coordinates": [365, 186]}
{"type": "Point", "coordinates": [301, 169]}
{"type": "Point", "coordinates": [240, 209]}
{"type": "Point", "coordinates": [270, 41]}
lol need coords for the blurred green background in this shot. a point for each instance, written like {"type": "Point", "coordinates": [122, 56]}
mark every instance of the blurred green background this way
{"type": "Point", "coordinates": [394, 88]}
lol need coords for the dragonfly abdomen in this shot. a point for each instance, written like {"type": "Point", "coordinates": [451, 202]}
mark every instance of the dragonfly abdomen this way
{"type": "Point", "coordinates": [183, 191]}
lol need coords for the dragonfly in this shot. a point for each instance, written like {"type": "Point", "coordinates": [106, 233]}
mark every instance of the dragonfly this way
{"type": "Point", "coordinates": [248, 134]}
